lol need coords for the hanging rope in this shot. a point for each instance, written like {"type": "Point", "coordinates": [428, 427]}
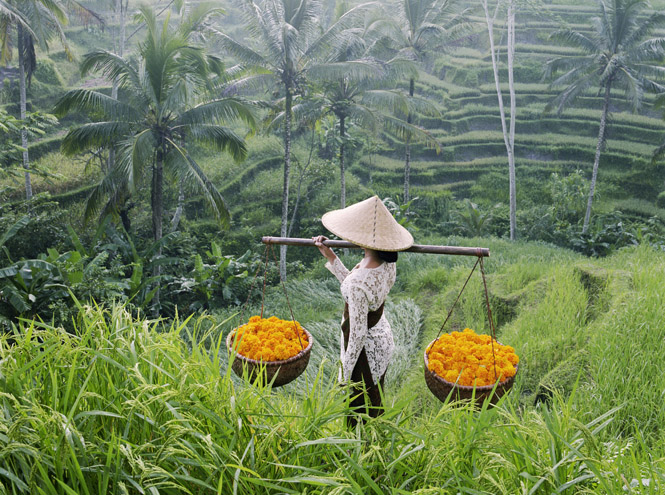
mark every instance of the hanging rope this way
{"type": "Point", "coordinates": [263, 292]}
{"type": "Point", "coordinates": [251, 288]}
{"type": "Point", "coordinates": [489, 314]}
{"type": "Point", "coordinates": [479, 261]}
{"type": "Point", "coordinates": [293, 319]}
{"type": "Point", "coordinates": [454, 304]}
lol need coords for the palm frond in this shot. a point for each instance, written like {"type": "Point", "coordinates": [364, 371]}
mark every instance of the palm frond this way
{"type": "Point", "coordinates": [403, 130]}
{"type": "Point", "coordinates": [239, 51]}
{"type": "Point", "coordinates": [93, 135]}
{"type": "Point", "coordinates": [334, 35]}
{"type": "Point", "coordinates": [112, 66]}
{"type": "Point", "coordinates": [659, 154]}
{"type": "Point", "coordinates": [250, 83]}
{"type": "Point", "coordinates": [220, 137]}
{"type": "Point", "coordinates": [85, 100]}
{"type": "Point", "coordinates": [576, 88]}
{"type": "Point", "coordinates": [353, 70]}
{"type": "Point", "coordinates": [576, 40]}
{"type": "Point", "coordinates": [184, 167]}
{"type": "Point", "coordinates": [392, 101]}
{"type": "Point", "coordinates": [304, 112]}
{"type": "Point", "coordinates": [220, 110]}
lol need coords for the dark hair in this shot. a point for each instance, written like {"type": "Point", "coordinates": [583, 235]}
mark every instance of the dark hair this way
{"type": "Point", "coordinates": [387, 256]}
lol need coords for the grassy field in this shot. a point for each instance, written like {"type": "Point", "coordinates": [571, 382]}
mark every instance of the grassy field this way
{"type": "Point", "coordinates": [134, 406]}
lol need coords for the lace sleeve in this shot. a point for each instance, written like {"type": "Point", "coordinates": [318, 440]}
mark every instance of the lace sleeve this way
{"type": "Point", "coordinates": [358, 308]}
{"type": "Point", "coordinates": [338, 269]}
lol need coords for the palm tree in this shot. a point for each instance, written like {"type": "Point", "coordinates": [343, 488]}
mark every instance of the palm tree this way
{"type": "Point", "coordinates": [618, 54]}
{"type": "Point", "coordinates": [168, 88]}
{"type": "Point", "coordinates": [363, 102]}
{"type": "Point", "coordinates": [36, 22]}
{"type": "Point", "coordinates": [291, 46]}
{"type": "Point", "coordinates": [422, 26]}
{"type": "Point", "coordinates": [357, 95]}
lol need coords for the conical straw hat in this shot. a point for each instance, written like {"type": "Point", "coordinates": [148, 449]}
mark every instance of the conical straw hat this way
{"type": "Point", "coordinates": [368, 224]}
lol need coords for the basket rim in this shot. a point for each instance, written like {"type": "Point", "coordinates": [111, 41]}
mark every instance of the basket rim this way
{"type": "Point", "coordinates": [481, 388]}
{"type": "Point", "coordinates": [282, 362]}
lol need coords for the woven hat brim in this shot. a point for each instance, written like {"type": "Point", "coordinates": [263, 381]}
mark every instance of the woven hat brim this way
{"type": "Point", "coordinates": [368, 224]}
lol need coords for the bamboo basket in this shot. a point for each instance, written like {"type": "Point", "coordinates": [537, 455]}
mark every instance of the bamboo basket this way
{"type": "Point", "coordinates": [442, 388]}
{"type": "Point", "coordinates": [283, 372]}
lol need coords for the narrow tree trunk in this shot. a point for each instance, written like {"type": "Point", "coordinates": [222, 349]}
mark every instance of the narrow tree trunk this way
{"type": "Point", "coordinates": [120, 47]}
{"type": "Point", "coordinates": [596, 161]}
{"type": "Point", "coordinates": [23, 105]}
{"type": "Point", "coordinates": [301, 178]}
{"type": "Point", "coordinates": [287, 170]}
{"type": "Point", "coordinates": [407, 149]}
{"type": "Point", "coordinates": [511, 136]}
{"type": "Point", "coordinates": [342, 135]}
{"type": "Point", "coordinates": [157, 204]}
{"type": "Point", "coordinates": [508, 136]}
{"type": "Point", "coordinates": [181, 206]}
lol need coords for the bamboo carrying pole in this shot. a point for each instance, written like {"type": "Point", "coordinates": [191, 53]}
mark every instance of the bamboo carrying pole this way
{"type": "Point", "coordinates": [416, 248]}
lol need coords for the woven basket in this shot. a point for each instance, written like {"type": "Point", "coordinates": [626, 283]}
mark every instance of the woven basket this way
{"type": "Point", "coordinates": [442, 388]}
{"type": "Point", "coordinates": [286, 370]}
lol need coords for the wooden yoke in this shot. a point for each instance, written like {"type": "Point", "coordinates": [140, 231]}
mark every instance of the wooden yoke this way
{"type": "Point", "coordinates": [416, 248]}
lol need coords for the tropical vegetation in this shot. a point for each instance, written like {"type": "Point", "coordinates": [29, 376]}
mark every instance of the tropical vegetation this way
{"type": "Point", "coordinates": [185, 132]}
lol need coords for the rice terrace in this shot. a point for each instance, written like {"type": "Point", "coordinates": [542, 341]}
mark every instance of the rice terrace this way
{"type": "Point", "coordinates": [332, 247]}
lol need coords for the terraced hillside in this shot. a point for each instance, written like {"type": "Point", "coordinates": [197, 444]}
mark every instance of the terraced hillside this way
{"type": "Point", "coordinates": [462, 85]}
{"type": "Point", "coordinates": [472, 162]}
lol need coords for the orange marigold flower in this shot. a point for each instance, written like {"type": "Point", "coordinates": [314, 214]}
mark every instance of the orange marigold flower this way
{"type": "Point", "coordinates": [468, 358]}
{"type": "Point", "coordinates": [269, 339]}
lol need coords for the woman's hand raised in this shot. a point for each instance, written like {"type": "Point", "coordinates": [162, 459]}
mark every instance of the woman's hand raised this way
{"type": "Point", "coordinates": [325, 250]}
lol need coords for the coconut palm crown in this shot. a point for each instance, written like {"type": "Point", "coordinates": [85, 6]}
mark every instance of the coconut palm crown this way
{"type": "Point", "coordinates": [167, 102]}
{"type": "Point", "coordinates": [619, 53]}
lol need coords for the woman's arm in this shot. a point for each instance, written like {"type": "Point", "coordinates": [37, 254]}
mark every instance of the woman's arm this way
{"type": "Point", "coordinates": [358, 308]}
{"type": "Point", "coordinates": [334, 264]}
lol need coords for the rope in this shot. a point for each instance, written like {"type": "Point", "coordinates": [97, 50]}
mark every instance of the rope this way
{"type": "Point", "coordinates": [454, 304]}
{"type": "Point", "coordinates": [295, 327]}
{"type": "Point", "coordinates": [479, 261]}
{"type": "Point", "coordinates": [265, 277]}
{"type": "Point", "coordinates": [489, 315]}
{"type": "Point", "coordinates": [251, 288]}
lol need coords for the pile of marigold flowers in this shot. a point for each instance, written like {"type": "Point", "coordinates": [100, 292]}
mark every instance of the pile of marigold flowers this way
{"type": "Point", "coordinates": [466, 358]}
{"type": "Point", "coordinates": [269, 339]}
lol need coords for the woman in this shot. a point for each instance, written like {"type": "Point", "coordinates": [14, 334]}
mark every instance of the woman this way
{"type": "Point", "coordinates": [366, 343]}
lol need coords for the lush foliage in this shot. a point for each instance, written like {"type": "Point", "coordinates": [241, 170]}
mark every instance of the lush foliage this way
{"type": "Point", "coordinates": [131, 405]}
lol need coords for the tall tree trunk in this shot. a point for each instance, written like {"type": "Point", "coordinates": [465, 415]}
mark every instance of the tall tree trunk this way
{"type": "Point", "coordinates": [24, 131]}
{"type": "Point", "coordinates": [157, 204]}
{"type": "Point", "coordinates": [508, 136]}
{"type": "Point", "coordinates": [287, 170]}
{"type": "Point", "coordinates": [120, 47]}
{"type": "Point", "coordinates": [596, 161]}
{"type": "Point", "coordinates": [407, 149]}
{"type": "Point", "coordinates": [511, 136]}
{"type": "Point", "coordinates": [342, 135]}
{"type": "Point", "coordinates": [175, 221]}
{"type": "Point", "coordinates": [301, 178]}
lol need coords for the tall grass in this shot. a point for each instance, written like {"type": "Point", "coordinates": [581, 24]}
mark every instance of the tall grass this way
{"type": "Point", "coordinates": [128, 405]}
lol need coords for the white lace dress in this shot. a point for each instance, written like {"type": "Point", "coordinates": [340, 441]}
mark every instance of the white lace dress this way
{"type": "Point", "coordinates": [364, 290]}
